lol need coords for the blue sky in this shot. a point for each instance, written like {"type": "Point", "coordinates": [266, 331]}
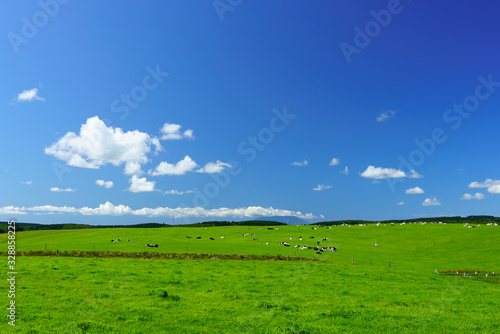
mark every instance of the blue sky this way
{"type": "Point", "coordinates": [125, 112]}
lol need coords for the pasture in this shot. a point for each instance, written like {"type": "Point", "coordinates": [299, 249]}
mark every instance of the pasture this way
{"type": "Point", "coordinates": [117, 295]}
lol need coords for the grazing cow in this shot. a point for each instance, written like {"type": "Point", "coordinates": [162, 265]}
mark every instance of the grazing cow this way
{"type": "Point", "coordinates": [297, 246]}
{"type": "Point", "coordinates": [325, 239]}
{"type": "Point", "coordinates": [267, 243]}
{"type": "Point", "coordinates": [270, 228]}
{"type": "Point", "coordinates": [118, 239]}
{"type": "Point", "coordinates": [150, 245]}
{"type": "Point", "coordinates": [212, 238]}
{"type": "Point", "coordinates": [318, 253]}
{"type": "Point", "coordinates": [113, 241]}
{"type": "Point", "coordinates": [290, 238]}
{"type": "Point", "coordinates": [253, 235]}
{"type": "Point", "coordinates": [198, 237]}
{"type": "Point", "coordinates": [255, 239]}
{"type": "Point", "coordinates": [129, 240]}
{"type": "Point", "coordinates": [311, 237]}
{"type": "Point", "coordinates": [222, 237]}
{"type": "Point", "coordinates": [317, 243]}
{"type": "Point", "coordinates": [286, 244]}
{"type": "Point", "coordinates": [375, 245]}
{"type": "Point", "coordinates": [188, 237]}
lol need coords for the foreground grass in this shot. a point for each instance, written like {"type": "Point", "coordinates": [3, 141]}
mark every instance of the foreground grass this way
{"type": "Point", "coordinates": [95, 295]}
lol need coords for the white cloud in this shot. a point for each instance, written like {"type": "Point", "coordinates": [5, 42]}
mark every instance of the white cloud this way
{"type": "Point", "coordinates": [400, 203]}
{"type": "Point", "coordinates": [334, 162]}
{"type": "Point", "coordinates": [118, 210]}
{"type": "Point", "coordinates": [173, 132]}
{"type": "Point", "coordinates": [57, 189]}
{"type": "Point", "coordinates": [29, 95]}
{"type": "Point", "coordinates": [379, 173]}
{"type": "Point", "coordinates": [28, 183]}
{"type": "Point", "coordinates": [414, 175]}
{"type": "Point", "coordinates": [385, 115]}
{"type": "Point", "coordinates": [303, 163]}
{"type": "Point", "coordinates": [214, 167]}
{"type": "Point", "coordinates": [105, 184]}
{"type": "Point", "coordinates": [416, 190]}
{"type": "Point", "coordinates": [492, 185]}
{"type": "Point", "coordinates": [180, 168]}
{"type": "Point", "coordinates": [321, 187]}
{"type": "Point", "coordinates": [12, 210]}
{"type": "Point", "coordinates": [430, 201]}
{"type": "Point", "coordinates": [345, 171]}
{"type": "Point", "coordinates": [133, 168]}
{"type": "Point", "coordinates": [476, 196]}
{"type": "Point", "coordinates": [177, 192]}
{"type": "Point", "coordinates": [139, 185]}
{"type": "Point", "coordinates": [98, 145]}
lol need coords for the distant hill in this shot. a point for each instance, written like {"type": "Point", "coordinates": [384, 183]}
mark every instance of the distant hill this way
{"type": "Point", "coordinates": [289, 220]}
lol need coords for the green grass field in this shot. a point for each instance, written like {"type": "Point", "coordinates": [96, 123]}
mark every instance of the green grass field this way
{"type": "Point", "coordinates": [116, 295]}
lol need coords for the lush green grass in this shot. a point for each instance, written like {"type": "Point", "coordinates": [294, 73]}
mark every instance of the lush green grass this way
{"type": "Point", "coordinates": [423, 248]}
{"type": "Point", "coordinates": [73, 295]}
{"type": "Point", "coordinates": [118, 295]}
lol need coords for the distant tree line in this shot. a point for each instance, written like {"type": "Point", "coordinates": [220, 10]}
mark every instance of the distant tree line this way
{"type": "Point", "coordinates": [37, 227]}
{"type": "Point", "coordinates": [447, 220]}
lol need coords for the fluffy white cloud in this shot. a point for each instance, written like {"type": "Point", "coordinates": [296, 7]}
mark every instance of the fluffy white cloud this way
{"type": "Point", "coordinates": [57, 189]}
{"type": "Point", "coordinates": [140, 184]}
{"type": "Point", "coordinates": [173, 132]}
{"type": "Point", "coordinates": [303, 163]}
{"type": "Point", "coordinates": [476, 196]}
{"type": "Point", "coordinates": [177, 192]}
{"type": "Point", "coordinates": [400, 203]}
{"type": "Point", "coordinates": [180, 168]}
{"type": "Point", "coordinates": [430, 201]}
{"type": "Point", "coordinates": [414, 175]}
{"type": "Point", "coordinates": [345, 171]}
{"type": "Point", "coordinates": [28, 183]}
{"type": "Point", "coordinates": [379, 173]}
{"type": "Point", "coordinates": [97, 145]}
{"type": "Point", "coordinates": [133, 168]}
{"type": "Point", "coordinates": [105, 184]}
{"type": "Point", "coordinates": [118, 210]}
{"type": "Point", "coordinates": [321, 187]}
{"type": "Point", "coordinates": [492, 185]}
{"type": "Point", "coordinates": [384, 116]}
{"type": "Point", "coordinates": [29, 95]}
{"type": "Point", "coordinates": [12, 210]}
{"type": "Point", "coordinates": [214, 167]}
{"type": "Point", "coordinates": [334, 162]}
{"type": "Point", "coordinates": [416, 190]}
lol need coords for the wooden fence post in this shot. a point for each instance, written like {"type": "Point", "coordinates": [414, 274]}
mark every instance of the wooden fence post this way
{"type": "Point", "coordinates": [352, 260]}
{"type": "Point", "coordinates": [57, 252]}
{"type": "Point", "coordinates": [389, 264]}
{"type": "Point", "coordinates": [45, 246]}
